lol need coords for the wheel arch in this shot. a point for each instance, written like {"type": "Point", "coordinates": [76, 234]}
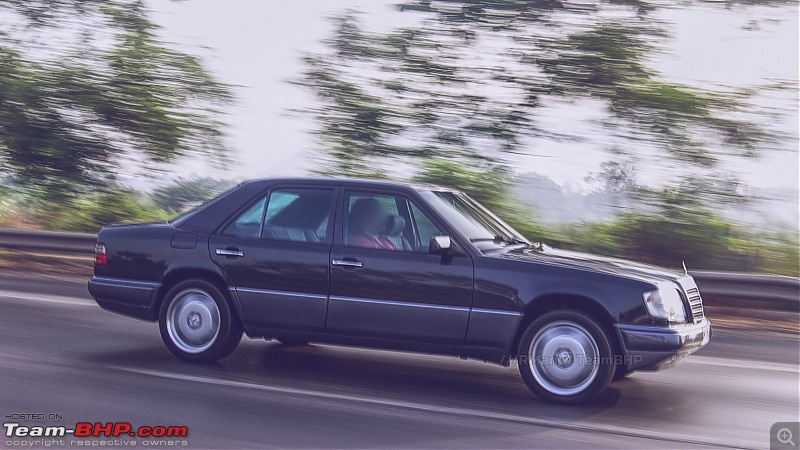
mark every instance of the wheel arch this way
{"type": "Point", "coordinates": [566, 301]}
{"type": "Point", "coordinates": [178, 275]}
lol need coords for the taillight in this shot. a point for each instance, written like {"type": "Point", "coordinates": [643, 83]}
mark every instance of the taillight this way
{"type": "Point", "coordinates": [100, 257]}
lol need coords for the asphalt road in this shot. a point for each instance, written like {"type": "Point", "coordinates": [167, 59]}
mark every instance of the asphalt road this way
{"type": "Point", "coordinates": [61, 354]}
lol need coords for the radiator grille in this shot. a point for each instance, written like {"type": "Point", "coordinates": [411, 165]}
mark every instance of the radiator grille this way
{"type": "Point", "coordinates": [695, 304]}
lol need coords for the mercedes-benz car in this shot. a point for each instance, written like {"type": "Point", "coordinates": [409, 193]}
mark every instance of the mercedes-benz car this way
{"type": "Point", "coordinates": [395, 266]}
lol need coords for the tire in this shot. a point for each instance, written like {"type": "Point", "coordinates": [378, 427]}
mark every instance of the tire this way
{"type": "Point", "coordinates": [565, 357]}
{"type": "Point", "coordinates": [197, 323]}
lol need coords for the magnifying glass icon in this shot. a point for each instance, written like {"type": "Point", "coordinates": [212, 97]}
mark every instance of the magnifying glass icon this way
{"type": "Point", "coordinates": [784, 436]}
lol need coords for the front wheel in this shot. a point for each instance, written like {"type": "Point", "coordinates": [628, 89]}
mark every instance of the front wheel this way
{"type": "Point", "coordinates": [197, 323]}
{"type": "Point", "coordinates": [565, 357]}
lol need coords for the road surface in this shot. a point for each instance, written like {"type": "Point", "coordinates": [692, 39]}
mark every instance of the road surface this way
{"type": "Point", "coordinates": [61, 354]}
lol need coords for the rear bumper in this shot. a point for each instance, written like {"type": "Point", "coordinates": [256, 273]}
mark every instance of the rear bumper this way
{"type": "Point", "coordinates": [129, 297]}
{"type": "Point", "coordinates": [656, 348]}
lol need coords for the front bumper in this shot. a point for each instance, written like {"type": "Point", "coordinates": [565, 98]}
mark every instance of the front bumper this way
{"type": "Point", "coordinates": [656, 348]}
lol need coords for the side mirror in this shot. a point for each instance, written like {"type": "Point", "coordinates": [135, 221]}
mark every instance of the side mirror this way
{"type": "Point", "coordinates": [440, 245]}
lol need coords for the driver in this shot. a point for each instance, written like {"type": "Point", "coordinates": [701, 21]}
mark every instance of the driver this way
{"type": "Point", "coordinates": [368, 219]}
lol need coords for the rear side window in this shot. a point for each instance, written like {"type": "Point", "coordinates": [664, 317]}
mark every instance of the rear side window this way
{"type": "Point", "coordinates": [278, 201]}
{"type": "Point", "coordinates": [295, 215]}
{"type": "Point", "coordinates": [298, 215]}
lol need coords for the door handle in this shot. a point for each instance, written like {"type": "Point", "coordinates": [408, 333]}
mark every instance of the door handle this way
{"type": "Point", "coordinates": [229, 252]}
{"type": "Point", "coordinates": [346, 263]}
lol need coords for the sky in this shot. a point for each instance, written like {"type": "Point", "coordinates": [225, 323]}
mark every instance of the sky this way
{"type": "Point", "coordinates": [256, 46]}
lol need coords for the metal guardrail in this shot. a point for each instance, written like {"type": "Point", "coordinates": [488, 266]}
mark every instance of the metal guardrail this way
{"type": "Point", "coordinates": [48, 241]}
{"type": "Point", "coordinates": [780, 292]}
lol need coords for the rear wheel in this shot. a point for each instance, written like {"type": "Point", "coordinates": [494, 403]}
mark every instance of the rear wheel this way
{"type": "Point", "coordinates": [197, 323]}
{"type": "Point", "coordinates": [565, 357]}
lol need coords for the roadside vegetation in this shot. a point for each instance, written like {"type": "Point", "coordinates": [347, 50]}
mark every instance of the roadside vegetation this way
{"type": "Point", "coordinates": [666, 228]}
{"type": "Point", "coordinates": [88, 212]}
{"type": "Point", "coordinates": [700, 238]}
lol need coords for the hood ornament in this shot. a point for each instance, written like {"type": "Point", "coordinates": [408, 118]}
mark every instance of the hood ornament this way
{"type": "Point", "coordinates": [685, 270]}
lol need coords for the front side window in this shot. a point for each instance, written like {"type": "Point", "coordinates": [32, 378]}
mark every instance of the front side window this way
{"type": "Point", "coordinates": [425, 228]}
{"type": "Point", "coordinates": [386, 222]}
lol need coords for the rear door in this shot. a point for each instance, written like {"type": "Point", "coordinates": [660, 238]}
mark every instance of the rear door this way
{"type": "Point", "coordinates": [276, 251]}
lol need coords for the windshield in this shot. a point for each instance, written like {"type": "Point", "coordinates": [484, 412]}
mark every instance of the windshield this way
{"type": "Point", "coordinates": [473, 220]}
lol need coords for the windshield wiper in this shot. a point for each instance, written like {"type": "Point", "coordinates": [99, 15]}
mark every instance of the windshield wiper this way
{"type": "Point", "coordinates": [513, 240]}
{"type": "Point", "coordinates": [483, 239]}
{"type": "Point", "coordinates": [500, 239]}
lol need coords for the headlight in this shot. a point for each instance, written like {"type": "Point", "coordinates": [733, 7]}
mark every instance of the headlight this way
{"type": "Point", "coordinates": [665, 303]}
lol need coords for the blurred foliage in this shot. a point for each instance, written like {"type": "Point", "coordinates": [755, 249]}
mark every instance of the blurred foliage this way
{"type": "Point", "coordinates": [185, 193]}
{"type": "Point", "coordinates": [674, 229]}
{"type": "Point", "coordinates": [408, 96]}
{"type": "Point", "coordinates": [776, 252]}
{"type": "Point", "coordinates": [698, 236]}
{"type": "Point", "coordinates": [91, 212]}
{"type": "Point", "coordinates": [674, 226]}
{"type": "Point", "coordinates": [86, 212]}
{"type": "Point", "coordinates": [468, 83]}
{"type": "Point", "coordinates": [704, 241]}
{"type": "Point", "coordinates": [491, 187]}
{"type": "Point", "coordinates": [22, 207]}
{"type": "Point", "coordinates": [450, 100]}
{"type": "Point", "coordinates": [114, 95]}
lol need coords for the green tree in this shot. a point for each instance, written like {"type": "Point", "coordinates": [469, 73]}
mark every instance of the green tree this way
{"type": "Point", "coordinates": [90, 212]}
{"type": "Point", "coordinates": [407, 96]}
{"type": "Point", "coordinates": [111, 94]}
{"type": "Point", "coordinates": [468, 83]}
{"type": "Point", "coordinates": [181, 193]}
{"type": "Point", "coordinates": [491, 188]}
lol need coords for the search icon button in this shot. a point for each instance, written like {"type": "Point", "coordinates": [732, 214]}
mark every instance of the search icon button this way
{"type": "Point", "coordinates": [784, 436]}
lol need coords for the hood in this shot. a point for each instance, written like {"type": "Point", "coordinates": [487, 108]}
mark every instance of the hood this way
{"type": "Point", "coordinates": [594, 263]}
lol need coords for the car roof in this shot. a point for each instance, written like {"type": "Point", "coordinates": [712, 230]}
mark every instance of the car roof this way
{"type": "Point", "coordinates": [207, 217]}
{"type": "Point", "coordinates": [356, 182]}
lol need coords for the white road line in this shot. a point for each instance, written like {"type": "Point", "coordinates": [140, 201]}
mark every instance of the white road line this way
{"type": "Point", "coordinates": [543, 422]}
{"type": "Point", "coordinates": [47, 298]}
{"type": "Point", "coordinates": [741, 364]}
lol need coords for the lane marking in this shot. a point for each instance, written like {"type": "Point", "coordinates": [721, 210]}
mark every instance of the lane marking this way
{"type": "Point", "coordinates": [47, 298]}
{"type": "Point", "coordinates": [741, 364]}
{"type": "Point", "coordinates": [548, 423]}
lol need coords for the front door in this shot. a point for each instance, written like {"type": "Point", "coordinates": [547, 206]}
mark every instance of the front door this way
{"type": "Point", "coordinates": [385, 283]}
{"type": "Point", "coordinates": [276, 252]}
